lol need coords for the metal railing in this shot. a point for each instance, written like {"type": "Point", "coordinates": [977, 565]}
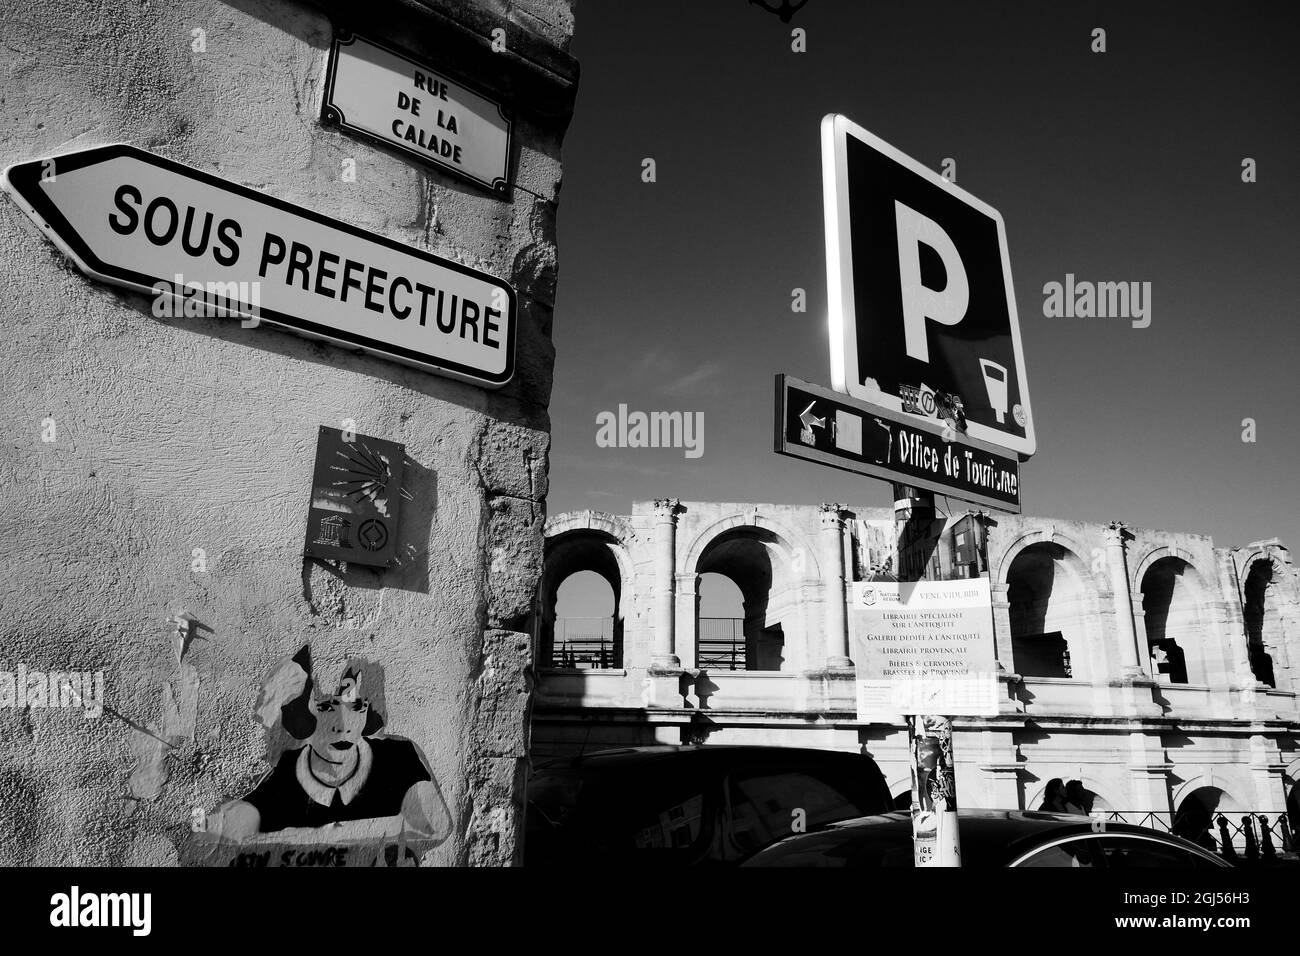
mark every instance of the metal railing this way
{"type": "Point", "coordinates": [1254, 836]}
{"type": "Point", "coordinates": [584, 643]}
{"type": "Point", "coordinates": [721, 643]}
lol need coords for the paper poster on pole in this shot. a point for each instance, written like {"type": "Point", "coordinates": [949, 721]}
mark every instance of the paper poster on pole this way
{"type": "Point", "coordinates": [923, 647]}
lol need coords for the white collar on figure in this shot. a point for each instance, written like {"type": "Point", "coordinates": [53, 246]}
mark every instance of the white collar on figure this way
{"type": "Point", "coordinates": [323, 793]}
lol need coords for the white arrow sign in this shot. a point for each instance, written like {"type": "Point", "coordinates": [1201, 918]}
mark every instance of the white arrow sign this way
{"type": "Point", "coordinates": [126, 216]}
{"type": "Point", "coordinates": [810, 420]}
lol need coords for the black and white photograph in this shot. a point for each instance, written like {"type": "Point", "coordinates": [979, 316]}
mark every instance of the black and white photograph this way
{"type": "Point", "coordinates": [558, 444]}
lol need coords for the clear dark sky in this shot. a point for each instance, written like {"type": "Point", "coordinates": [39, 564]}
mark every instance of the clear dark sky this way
{"type": "Point", "coordinates": [1121, 166]}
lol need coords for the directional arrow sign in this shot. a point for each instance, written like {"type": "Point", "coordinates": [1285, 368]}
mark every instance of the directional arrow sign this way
{"type": "Point", "coordinates": [869, 441]}
{"type": "Point", "coordinates": [126, 216]}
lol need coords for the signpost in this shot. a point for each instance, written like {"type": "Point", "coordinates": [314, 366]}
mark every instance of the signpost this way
{"type": "Point", "coordinates": [820, 425]}
{"type": "Point", "coordinates": [355, 498]}
{"type": "Point", "coordinates": [381, 94]}
{"type": "Point", "coordinates": [929, 394]}
{"type": "Point", "coordinates": [212, 247]}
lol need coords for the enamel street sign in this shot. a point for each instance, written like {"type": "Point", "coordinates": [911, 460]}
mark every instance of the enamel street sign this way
{"type": "Point", "coordinates": [821, 425]}
{"type": "Point", "coordinates": [128, 217]}
{"type": "Point", "coordinates": [922, 310]}
{"type": "Point", "coordinates": [379, 93]}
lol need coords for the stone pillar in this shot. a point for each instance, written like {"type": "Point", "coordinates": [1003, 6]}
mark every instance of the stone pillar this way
{"type": "Point", "coordinates": [1008, 702]}
{"type": "Point", "coordinates": [999, 769]}
{"type": "Point", "coordinates": [665, 657]}
{"type": "Point", "coordinates": [1143, 644]}
{"type": "Point", "coordinates": [1267, 774]}
{"type": "Point", "coordinates": [686, 636]}
{"type": "Point", "coordinates": [1250, 694]}
{"type": "Point", "coordinates": [1127, 635]}
{"type": "Point", "coordinates": [1148, 774]}
{"type": "Point", "coordinates": [837, 614]}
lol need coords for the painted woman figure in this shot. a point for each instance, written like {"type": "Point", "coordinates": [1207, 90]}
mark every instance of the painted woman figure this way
{"type": "Point", "coordinates": [342, 773]}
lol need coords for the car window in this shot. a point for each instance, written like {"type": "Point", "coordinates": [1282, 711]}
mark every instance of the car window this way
{"type": "Point", "coordinates": [653, 815]}
{"type": "Point", "coordinates": [674, 826]}
{"type": "Point", "coordinates": [1141, 852]}
{"type": "Point", "coordinates": [1074, 854]}
{"type": "Point", "coordinates": [763, 807]}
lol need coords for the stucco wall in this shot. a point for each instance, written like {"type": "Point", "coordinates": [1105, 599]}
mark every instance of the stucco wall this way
{"type": "Point", "coordinates": [187, 434]}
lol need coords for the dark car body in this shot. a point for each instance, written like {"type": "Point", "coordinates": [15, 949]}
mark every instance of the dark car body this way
{"type": "Point", "coordinates": [993, 838]}
{"type": "Point", "coordinates": [683, 806]}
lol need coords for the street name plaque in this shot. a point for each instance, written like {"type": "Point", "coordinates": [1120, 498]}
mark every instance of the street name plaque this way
{"type": "Point", "coordinates": [384, 95]}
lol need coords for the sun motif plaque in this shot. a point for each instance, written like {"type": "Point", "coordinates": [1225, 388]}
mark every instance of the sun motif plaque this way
{"type": "Point", "coordinates": [355, 498]}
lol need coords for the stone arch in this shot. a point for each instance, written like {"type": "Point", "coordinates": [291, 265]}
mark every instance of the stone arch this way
{"type": "Point", "coordinates": [585, 541]}
{"type": "Point", "coordinates": [790, 541]}
{"type": "Point", "coordinates": [1175, 601]}
{"type": "Point", "coordinates": [1214, 784]}
{"type": "Point", "coordinates": [1140, 567]}
{"type": "Point", "coordinates": [613, 525]}
{"type": "Point", "coordinates": [1053, 610]}
{"type": "Point", "coordinates": [1039, 536]}
{"type": "Point", "coordinates": [769, 564]}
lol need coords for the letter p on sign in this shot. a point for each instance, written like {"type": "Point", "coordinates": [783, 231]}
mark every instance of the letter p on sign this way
{"type": "Point", "coordinates": [946, 306]}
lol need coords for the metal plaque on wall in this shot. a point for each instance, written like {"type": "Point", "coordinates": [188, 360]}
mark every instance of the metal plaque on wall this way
{"type": "Point", "coordinates": [355, 498]}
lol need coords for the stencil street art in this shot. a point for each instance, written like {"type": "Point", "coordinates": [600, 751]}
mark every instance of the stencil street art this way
{"type": "Point", "coordinates": [341, 792]}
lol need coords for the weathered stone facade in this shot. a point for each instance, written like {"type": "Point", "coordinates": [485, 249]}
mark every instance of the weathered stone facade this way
{"type": "Point", "coordinates": [1176, 672]}
{"type": "Point", "coordinates": [154, 467]}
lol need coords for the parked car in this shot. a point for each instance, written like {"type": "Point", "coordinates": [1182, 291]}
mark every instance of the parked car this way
{"type": "Point", "coordinates": [992, 838]}
{"type": "Point", "coordinates": [682, 806]}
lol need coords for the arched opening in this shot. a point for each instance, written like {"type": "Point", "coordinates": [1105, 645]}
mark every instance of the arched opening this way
{"type": "Point", "coordinates": [903, 800]}
{"type": "Point", "coordinates": [581, 623]}
{"type": "Point", "coordinates": [1259, 623]}
{"type": "Point", "coordinates": [584, 621]}
{"type": "Point", "coordinates": [1194, 819]}
{"type": "Point", "coordinates": [1048, 605]}
{"type": "Point", "coordinates": [1171, 602]}
{"type": "Point", "coordinates": [752, 637]}
{"type": "Point", "coordinates": [722, 624]}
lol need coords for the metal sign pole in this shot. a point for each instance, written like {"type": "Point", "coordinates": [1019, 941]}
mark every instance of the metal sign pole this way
{"type": "Point", "coordinates": [935, 839]}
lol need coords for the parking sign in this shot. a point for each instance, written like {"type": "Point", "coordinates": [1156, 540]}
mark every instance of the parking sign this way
{"type": "Point", "coordinates": [922, 310]}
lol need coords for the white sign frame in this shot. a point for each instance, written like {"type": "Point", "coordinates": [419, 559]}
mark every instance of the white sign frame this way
{"type": "Point", "coordinates": [841, 306]}
{"type": "Point", "coordinates": [311, 318]}
{"type": "Point", "coordinates": [353, 113]}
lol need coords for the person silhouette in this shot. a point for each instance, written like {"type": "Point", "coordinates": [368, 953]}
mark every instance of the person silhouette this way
{"type": "Point", "coordinates": [1076, 798]}
{"type": "Point", "coordinates": [1053, 797]}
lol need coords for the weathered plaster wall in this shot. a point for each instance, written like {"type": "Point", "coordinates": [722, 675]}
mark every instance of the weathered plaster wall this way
{"type": "Point", "coordinates": [192, 434]}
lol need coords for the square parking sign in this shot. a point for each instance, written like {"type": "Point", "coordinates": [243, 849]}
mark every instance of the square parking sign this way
{"type": "Point", "coordinates": [922, 309]}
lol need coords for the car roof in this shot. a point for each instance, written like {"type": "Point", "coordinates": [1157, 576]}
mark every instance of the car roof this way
{"type": "Point", "coordinates": [985, 832]}
{"type": "Point", "coordinates": [631, 756]}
